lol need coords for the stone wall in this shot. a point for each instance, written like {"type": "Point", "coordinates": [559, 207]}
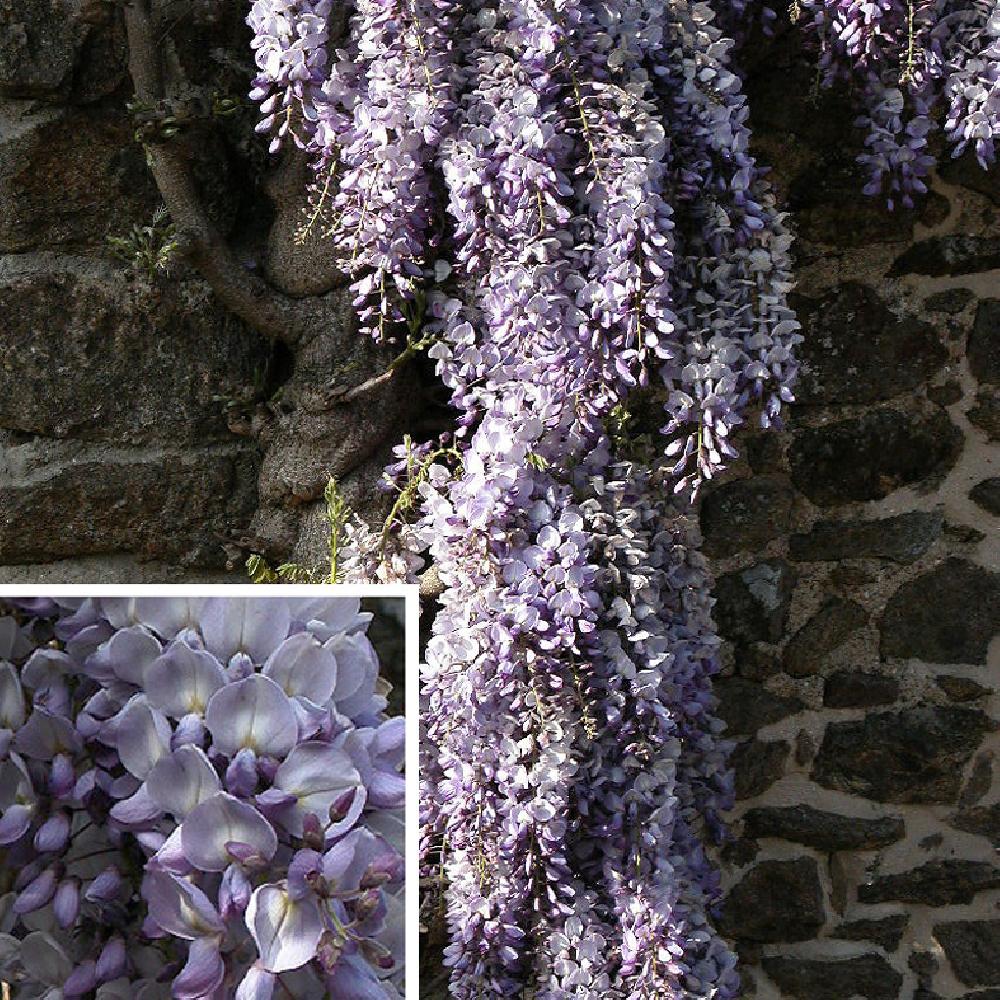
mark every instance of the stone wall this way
{"type": "Point", "coordinates": [858, 589]}
{"type": "Point", "coordinates": [116, 456]}
{"type": "Point", "coordinates": [857, 554]}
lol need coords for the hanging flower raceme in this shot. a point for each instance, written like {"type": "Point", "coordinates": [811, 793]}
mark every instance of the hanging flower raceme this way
{"type": "Point", "coordinates": [220, 773]}
{"type": "Point", "coordinates": [605, 231]}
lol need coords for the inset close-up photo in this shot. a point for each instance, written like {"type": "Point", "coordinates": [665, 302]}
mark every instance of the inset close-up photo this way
{"type": "Point", "coordinates": [202, 797]}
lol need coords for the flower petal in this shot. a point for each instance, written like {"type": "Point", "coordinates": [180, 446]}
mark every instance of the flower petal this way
{"type": "Point", "coordinates": [303, 668]}
{"type": "Point", "coordinates": [257, 984]}
{"type": "Point", "coordinates": [338, 614]}
{"type": "Point", "coordinates": [221, 820]}
{"type": "Point", "coordinates": [167, 616]}
{"type": "Point", "coordinates": [184, 779]}
{"type": "Point", "coordinates": [251, 625]}
{"type": "Point", "coordinates": [287, 931]}
{"type": "Point", "coordinates": [202, 973]}
{"type": "Point", "coordinates": [11, 698]}
{"type": "Point", "coordinates": [137, 810]}
{"type": "Point", "coordinates": [182, 680]}
{"type": "Point", "coordinates": [128, 652]}
{"type": "Point", "coordinates": [317, 774]}
{"type": "Point", "coordinates": [15, 823]}
{"type": "Point", "coordinates": [44, 735]}
{"type": "Point", "coordinates": [253, 713]}
{"type": "Point", "coordinates": [142, 735]}
{"type": "Point", "coordinates": [179, 907]}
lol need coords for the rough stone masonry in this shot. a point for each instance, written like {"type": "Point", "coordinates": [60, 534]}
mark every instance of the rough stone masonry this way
{"type": "Point", "coordinates": [857, 554]}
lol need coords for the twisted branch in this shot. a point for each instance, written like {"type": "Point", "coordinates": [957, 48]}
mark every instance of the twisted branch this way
{"type": "Point", "coordinates": [275, 315]}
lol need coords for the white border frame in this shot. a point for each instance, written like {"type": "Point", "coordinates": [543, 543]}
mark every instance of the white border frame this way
{"type": "Point", "coordinates": [410, 595]}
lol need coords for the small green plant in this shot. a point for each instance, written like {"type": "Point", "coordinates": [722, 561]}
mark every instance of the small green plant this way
{"type": "Point", "coordinates": [338, 512]}
{"type": "Point", "coordinates": [151, 249]}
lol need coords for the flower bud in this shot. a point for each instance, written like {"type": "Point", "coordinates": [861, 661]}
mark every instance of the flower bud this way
{"type": "Point", "coordinates": [66, 903]}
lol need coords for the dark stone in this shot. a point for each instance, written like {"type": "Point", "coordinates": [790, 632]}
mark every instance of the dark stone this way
{"type": "Point", "coordinates": [745, 515]}
{"type": "Point", "coordinates": [984, 821]}
{"type": "Point", "coordinates": [973, 949]}
{"type": "Point", "coordinates": [757, 764]}
{"type": "Point", "coordinates": [856, 689]}
{"type": "Point", "coordinates": [984, 342]}
{"type": "Point", "coordinates": [934, 209]}
{"type": "Point", "coordinates": [39, 46]}
{"type": "Point", "coordinates": [869, 976]}
{"type": "Point", "coordinates": [765, 452]}
{"type": "Point", "coordinates": [946, 394]}
{"type": "Point", "coordinates": [987, 495]}
{"type": "Point", "coordinates": [746, 706]}
{"type": "Point", "coordinates": [752, 603]}
{"type": "Point", "coordinates": [948, 615]}
{"type": "Point", "coordinates": [986, 412]}
{"type": "Point", "coordinates": [93, 355]}
{"type": "Point", "coordinates": [756, 661]}
{"type": "Point", "coordinates": [867, 457]}
{"type": "Point", "coordinates": [981, 995]}
{"type": "Point", "coordinates": [937, 883]}
{"type": "Point", "coordinates": [835, 622]}
{"type": "Point", "coordinates": [904, 538]}
{"type": "Point", "coordinates": [805, 747]}
{"type": "Point", "coordinates": [775, 901]}
{"type": "Point", "coordinates": [825, 831]}
{"type": "Point", "coordinates": [950, 301]}
{"type": "Point", "coordinates": [924, 964]}
{"type": "Point", "coordinates": [68, 500]}
{"type": "Point", "coordinates": [856, 350]}
{"type": "Point", "coordinates": [960, 688]}
{"type": "Point", "coordinates": [884, 931]}
{"type": "Point", "coordinates": [940, 255]}
{"type": "Point", "coordinates": [965, 171]}
{"type": "Point", "coordinates": [931, 841]}
{"type": "Point", "coordinates": [964, 534]}
{"type": "Point", "coordinates": [89, 157]}
{"type": "Point", "coordinates": [915, 755]}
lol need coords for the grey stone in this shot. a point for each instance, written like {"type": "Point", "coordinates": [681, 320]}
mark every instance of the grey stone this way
{"type": "Point", "coordinates": [775, 901]}
{"type": "Point", "coordinates": [950, 301]}
{"type": "Point", "coordinates": [914, 755]}
{"type": "Point", "coordinates": [757, 764]}
{"type": "Point", "coordinates": [867, 457]}
{"type": "Point", "coordinates": [985, 414]}
{"type": "Point", "coordinates": [941, 255]}
{"type": "Point", "coordinates": [980, 781]}
{"type": "Point", "coordinates": [903, 538]}
{"type": "Point", "coordinates": [884, 931]}
{"type": "Point", "coordinates": [984, 342]}
{"type": "Point", "coordinates": [832, 625]}
{"type": "Point", "coordinates": [745, 515]}
{"type": "Point", "coordinates": [89, 157]}
{"type": "Point", "coordinates": [752, 603]}
{"type": "Point", "coordinates": [825, 831]}
{"type": "Point", "coordinates": [39, 46]}
{"type": "Point", "coordinates": [981, 820]}
{"type": "Point", "coordinates": [856, 350]}
{"type": "Point", "coordinates": [869, 976]}
{"type": "Point", "coordinates": [973, 949]}
{"type": "Point", "coordinates": [947, 615]}
{"type": "Point", "coordinates": [947, 393]}
{"type": "Point", "coordinates": [746, 706]}
{"type": "Point", "coordinates": [857, 689]}
{"type": "Point", "coordinates": [937, 883]}
{"type": "Point", "coordinates": [93, 355]}
{"type": "Point", "coordinates": [63, 500]}
{"type": "Point", "coordinates": [987, 495]}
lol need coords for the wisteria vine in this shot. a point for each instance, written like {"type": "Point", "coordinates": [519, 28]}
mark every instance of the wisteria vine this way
{"type": "Point", "coordinates": [200, 798]}
{"type": "Point", "coordinates": [558, 199]}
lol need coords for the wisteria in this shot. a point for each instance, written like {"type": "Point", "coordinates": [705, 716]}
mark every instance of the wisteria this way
{"type": "Point", "coordinates": [201, 798]}
{"type": "Point", "coordinates": [917, 66]}
{"type": "Point", "coordinates": [559, 200]}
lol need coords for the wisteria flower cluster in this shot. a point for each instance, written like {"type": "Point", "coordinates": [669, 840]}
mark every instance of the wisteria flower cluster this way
{"type": "Point", "coordinates": [201, 798]}
{"type": "Point", "coordinates": [560, 196]}
{"type": "Point", "coordinates": [917, 65]}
